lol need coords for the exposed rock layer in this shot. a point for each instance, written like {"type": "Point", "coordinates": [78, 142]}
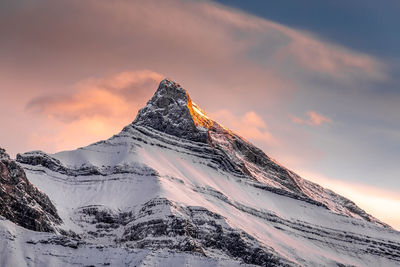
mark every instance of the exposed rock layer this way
{"type": "Point", "coordinates": [21, 202]}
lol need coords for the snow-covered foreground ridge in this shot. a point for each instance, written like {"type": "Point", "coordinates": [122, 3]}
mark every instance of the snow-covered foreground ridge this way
{"type": "Point", "coordinates": [175, 188]}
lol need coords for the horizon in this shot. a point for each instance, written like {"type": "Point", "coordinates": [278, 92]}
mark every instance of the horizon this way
{"type": "Point", "coordinates": [322, 104]}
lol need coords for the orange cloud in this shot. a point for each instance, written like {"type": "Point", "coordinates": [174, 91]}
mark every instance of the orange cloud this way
{"type": "Point", "coordinates": [56, 135]}
{"type": "Point", "coordinates": [249, 125]}
{"type": "Point", "coordinates": [86, 103]}
{"type": "Point", "coordinates": [96, 110]}
{"type": "Point", "coordinates": [115, 96]}
{"type": "Point", "coordinates": [314, 119]}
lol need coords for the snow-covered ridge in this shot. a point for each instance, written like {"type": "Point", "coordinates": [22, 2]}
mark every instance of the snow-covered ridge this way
{"type": "Point", "coordinates": [259, 170]}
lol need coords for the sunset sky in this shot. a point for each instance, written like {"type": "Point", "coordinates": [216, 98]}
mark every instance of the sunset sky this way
{"type": "Point", "coordinates": [315, 84]}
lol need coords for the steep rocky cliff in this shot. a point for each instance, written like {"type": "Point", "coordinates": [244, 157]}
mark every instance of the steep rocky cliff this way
{"type": "Point", "coordinates": [21, 202]}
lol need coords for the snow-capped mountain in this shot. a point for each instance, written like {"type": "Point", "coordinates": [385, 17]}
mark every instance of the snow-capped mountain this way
{"type": "Point", "coordinates": [175, 188]}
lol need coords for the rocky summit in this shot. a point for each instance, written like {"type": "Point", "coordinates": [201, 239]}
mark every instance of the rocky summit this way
{"type": "Point", "coordinates": [170, 111]}
{"type": "Point", "coordinates": [175, 188]}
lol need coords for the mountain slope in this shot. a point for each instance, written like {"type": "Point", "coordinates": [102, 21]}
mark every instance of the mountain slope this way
{"type": "Point", "coordinates": [175, 187]}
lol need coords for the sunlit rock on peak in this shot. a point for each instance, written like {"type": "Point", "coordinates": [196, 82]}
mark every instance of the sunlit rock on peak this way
{"type": "Point", "coordinates": [171, 111]}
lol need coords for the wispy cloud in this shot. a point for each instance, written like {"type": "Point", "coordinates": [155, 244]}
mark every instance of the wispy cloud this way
{"type": "Point", "coordinates": [324, 57]}
{"type": "Point", "coordinates": [313, 119]}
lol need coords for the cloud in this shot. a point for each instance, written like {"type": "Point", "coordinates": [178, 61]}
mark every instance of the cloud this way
{"type": "Point", "coordinates": [295, 46]}
{"type": "Point", "coordinates": [250, 125]}
{"type": "Point", "coordinates": [96, 109]}
{"type": "Point", "coordinates": [116, 96]}
{"type": "Point", "coordinates": [229, 47]}
{"type": "Point", "coordinates": [55, 135]}
{"type": "Point", "coordinates": [323, 57]}
{"type": "Point", "coordinates": [314, 119]}
{"type": "Point", "coordinates": [301, 47]}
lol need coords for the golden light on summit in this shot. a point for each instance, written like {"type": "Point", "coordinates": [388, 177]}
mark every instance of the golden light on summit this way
{"type": "Point", "coordinates": [198, 115]}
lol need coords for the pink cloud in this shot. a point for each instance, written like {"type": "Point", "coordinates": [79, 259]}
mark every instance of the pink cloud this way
{"type": "Point", "coordinates": [250, 125]}
{"type": "Point", "coordinates": [211, 54]}
{"type": "Point", "coordinates": [150, 34]}
{"type": "Point", "coordinates": [314, 119]}
{"type": "Point", "coordinates": [95, 110]}
{"type": "Point", "coordinates": [115, 96]}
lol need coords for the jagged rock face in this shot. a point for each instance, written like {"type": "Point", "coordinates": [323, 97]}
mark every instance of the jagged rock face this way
{"type": "Point", "coordinates": [193, 229]}
{"type": "Point", "coordinates": [169, 111]}
{"type": "Point", "coordinates": [21, 202]}
{"type": "Point", "coordinates": [163, 224]}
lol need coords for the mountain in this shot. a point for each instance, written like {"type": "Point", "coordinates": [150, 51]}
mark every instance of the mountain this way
{"type": "Point", "coordinates": [175, 188]}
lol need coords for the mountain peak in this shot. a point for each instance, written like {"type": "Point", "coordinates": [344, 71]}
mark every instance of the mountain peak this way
{"type": "Point", "coordinates": [148, 196]}
{"type": "Point", "coordinates": [171, 110]}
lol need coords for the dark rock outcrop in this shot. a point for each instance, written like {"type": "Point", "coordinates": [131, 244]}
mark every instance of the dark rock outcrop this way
{"type": "Point", "coordinates": [21, 202]}
{"type": "Point", "coordinates": [40, 158]}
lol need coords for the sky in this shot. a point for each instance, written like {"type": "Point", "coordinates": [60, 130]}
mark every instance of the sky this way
{"type": "Point", "coordinates": [315, 84]}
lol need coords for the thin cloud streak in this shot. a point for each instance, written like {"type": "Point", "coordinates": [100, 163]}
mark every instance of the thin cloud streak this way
{"type": "Point", "coordinates": [313, 119]}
